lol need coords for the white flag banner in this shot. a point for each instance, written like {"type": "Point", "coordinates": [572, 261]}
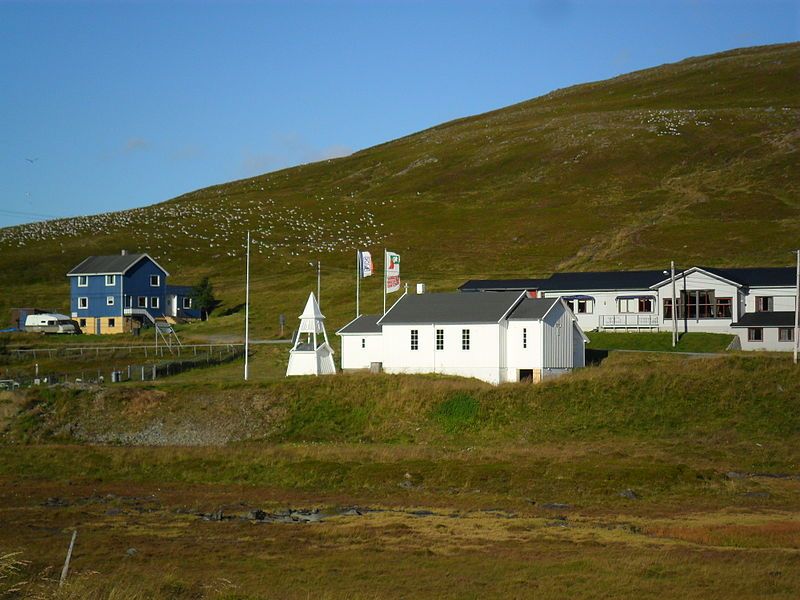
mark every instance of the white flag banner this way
{"type": "Point", "coordinates": [365, 259]}
{"type": "Point", "coordinates": [392, 272]}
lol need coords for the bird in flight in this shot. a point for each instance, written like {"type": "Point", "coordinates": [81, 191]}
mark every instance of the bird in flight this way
{"type": "Point", "coordinates": [31, 160]}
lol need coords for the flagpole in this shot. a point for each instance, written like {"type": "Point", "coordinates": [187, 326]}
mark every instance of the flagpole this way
{"type": "Point", "coordinates": [358, 281]}
{"type": "Point", "coordinates": [247, 311]}
{"type": "Point", "coordinates": [385, 274]}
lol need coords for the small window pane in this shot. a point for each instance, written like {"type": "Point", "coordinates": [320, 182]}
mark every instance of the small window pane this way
{"type": "Point", "coordinates": [465, 339]}
{"type": "Point", "coordinates": [440, 339]}
{"type": "Point", "coordinates": [755, 334]}
{"type": "Point", "coordinates": [415, 339]}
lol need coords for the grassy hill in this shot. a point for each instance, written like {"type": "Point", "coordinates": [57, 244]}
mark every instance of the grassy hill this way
{"type": "Point", "coordinates": [694, 161]}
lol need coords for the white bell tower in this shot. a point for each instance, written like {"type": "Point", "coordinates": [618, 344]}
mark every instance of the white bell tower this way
{"type": "Point", "coordinates": [311, 354]}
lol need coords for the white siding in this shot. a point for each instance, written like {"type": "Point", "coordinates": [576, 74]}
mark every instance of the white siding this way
{"type": "Point", "coordinates": [782, 298]}
{"type": "Point", "coordinates": [770, 342]}
{"type": "Point", "coordinates": [557, 338]}
{"type": "Point", "coordinates": [605, 304]}
{"type": "Point", "coordinates": [578, 348]}
{"type": "Point", "coordinates": [519, 357]}
{"type": "Point", "coordinates": [356, 357]}
{"type": "Point", "coordinates": [482, 360]}
{"type": "Point", "coordinates": [700, 281]}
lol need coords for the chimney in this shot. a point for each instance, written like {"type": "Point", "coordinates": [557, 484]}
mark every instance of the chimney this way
{"type": "Point", "coordinates": [124, 252]}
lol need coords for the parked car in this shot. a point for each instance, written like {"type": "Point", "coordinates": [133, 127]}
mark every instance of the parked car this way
{"type": "Point", "coordinates": [50, 323]}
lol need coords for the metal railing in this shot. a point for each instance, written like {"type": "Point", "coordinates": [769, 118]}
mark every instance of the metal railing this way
{"type": "Point", "coordinates": [120, 371]}
{"type": "Point", "coordinates": [97, 349]}
{"type": "Point", "coordinates": [628, 321]}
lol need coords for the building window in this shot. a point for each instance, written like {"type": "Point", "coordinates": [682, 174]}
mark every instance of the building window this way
{"type": "Point", "coordinates": [111, 279]}
{"type": "Point", "coordinates": [440, 339]}
{"type": "Point", "coordinates": [112, 322]}
{"type": "Point", "coordinates": [141, 302]}
{"type": "Point", "coordinates": [524, 337]}
{"type": "Point", "coordinates": [109, 300]}
{"type": "Point", "coordinates": [627, 305]}
{"type": "Point", "coordinates": [154, 302]}
{"type": "Point", "coordinates": [187, 303]}
{"type": "Point", "coordinates": [363, 343]}
{"type": "Point", "coordinates": [755, 334]}
{"type": "Point", "coordinates": [83, 302]}
{"type": "Point", "coordinates": [700, 305]}
{"type": "Point", "coordinates": [465, 339]}
{"type": "Point", "coordinates": [582, 306]}
{"type": "Point", "coordinates": [763, 303]}
{"type": "Point", "coordinates": [83, 280]}
{"type": "Point", "coordinates": [785, 334]}
{"type": "Point", "coordinates": [155, 280]}
{"type": "Point", "coordinates": [415, 339]}
{"type": "Point", "coordinates": [645, 305]}
{"type": "Point", "coordinates": [81, 322]}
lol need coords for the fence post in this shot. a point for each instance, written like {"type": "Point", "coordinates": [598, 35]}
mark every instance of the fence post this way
{"type": "Point", "coordinates": [154, 372]}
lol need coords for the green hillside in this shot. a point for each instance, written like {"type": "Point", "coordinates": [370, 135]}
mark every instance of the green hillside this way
{"type": "Point", "coordinates": [694, 161]}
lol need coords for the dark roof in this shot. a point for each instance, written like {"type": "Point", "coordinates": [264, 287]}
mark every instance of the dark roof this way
{"type": "Point", "coordinates": [115, 264]}
{"type": "Point", "coordinates": [630, 280]}
{"type": "Point", "coordinates": [533, 308]}
{"type": "Point", "coordinates": [603, 280]}
{"type": "Point", "coordinates": [501, 285]}
{"type": "Point", "coordinates": [758, 276]}
{"type": "Point", "coordinates": [363, 324]}
{"type": "Point", "coordinates": [453, 307]}
{"type": "Point", "coordinates": [781, 318]}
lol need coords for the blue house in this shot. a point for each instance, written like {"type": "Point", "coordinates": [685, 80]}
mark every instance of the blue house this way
{"type": "Point", "coordinates": [114, 294]}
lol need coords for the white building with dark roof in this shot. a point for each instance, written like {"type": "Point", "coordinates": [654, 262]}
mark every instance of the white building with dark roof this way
{"type": "Point", "coordinates": [499, 337]}
{"type": "Point", "coordinates": [708, 299]}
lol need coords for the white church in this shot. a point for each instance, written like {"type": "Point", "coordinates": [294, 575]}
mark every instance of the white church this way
{"type": "Point", "coordinates": [498, 337]}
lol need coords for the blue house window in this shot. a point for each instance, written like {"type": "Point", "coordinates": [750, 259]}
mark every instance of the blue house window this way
{"type": "Point", "coordinates": [155, 280]}
{"type": "Point", "coordinates": [109, 300]}
{"type": "Point", "coordinates": [111, 279]}
{"type": "Point", "coordinates": [83, 280]}
{"type": "Point", "coordinates": [154, 302]}
{"type": "Point", "coordinates": [187, 303]}
{"type": "Point", "coordinates": [83, 302]}
{"type": "Point", "coordinates": [141, 302]}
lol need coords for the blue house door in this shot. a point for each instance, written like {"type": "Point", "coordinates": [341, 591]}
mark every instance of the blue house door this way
{"type": "Point", "coordinates": [97, 326]}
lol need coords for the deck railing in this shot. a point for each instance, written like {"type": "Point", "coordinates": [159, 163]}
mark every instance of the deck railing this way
{"type": "Point", "coordinates": [629, 321]}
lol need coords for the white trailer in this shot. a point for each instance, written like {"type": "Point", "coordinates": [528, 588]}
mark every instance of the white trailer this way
{"type": "Point", "coordinates": [50, 323]}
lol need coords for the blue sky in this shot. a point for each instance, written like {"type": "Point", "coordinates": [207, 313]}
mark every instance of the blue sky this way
{"type": "Point", "coordinates": [124, 104]}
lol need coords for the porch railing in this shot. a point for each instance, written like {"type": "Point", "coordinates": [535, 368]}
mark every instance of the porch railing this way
{"type": "Point", "coordinates": [632, 321]}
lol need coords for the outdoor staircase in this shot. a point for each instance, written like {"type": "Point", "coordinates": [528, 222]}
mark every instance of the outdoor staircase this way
{"type": "Point", "coordinates": [162, 325]}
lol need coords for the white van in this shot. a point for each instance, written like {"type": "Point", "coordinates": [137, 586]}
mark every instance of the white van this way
{"type": "Point", "coordinates": [50, 323]}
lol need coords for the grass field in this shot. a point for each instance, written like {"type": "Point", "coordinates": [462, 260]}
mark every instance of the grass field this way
{"type": "Point", "coordinates": [647, 476]}
{"type": "Point", "coordinates": [658, 342]}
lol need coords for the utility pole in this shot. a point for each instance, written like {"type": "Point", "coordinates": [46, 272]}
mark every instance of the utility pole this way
{"type": "Point", "coordinates": [674, 306]}
{"type": "Point", "coordinates": [319, 269]}
{"type": "Point", "coordinates": [797, 309]}
{"type": "Point", "coordinates": [247, 311]}
{"type": "Point", "coordinates": [385, 279]}
{"type": "Point", "coordinates": [358, 283]}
